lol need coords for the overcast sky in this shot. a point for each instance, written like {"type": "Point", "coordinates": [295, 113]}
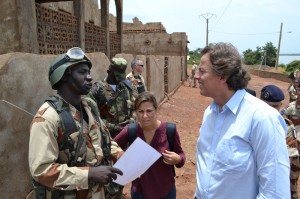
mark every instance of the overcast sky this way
{"type": "Point", "coordinates": [244, 23]}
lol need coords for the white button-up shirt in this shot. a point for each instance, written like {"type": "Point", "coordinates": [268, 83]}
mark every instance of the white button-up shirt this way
{"type": "Point", "coordinates": [241, 151]}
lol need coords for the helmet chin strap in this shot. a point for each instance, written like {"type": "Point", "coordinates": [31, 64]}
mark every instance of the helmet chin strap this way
{"type": "Point", "coordinates": [81, 90]}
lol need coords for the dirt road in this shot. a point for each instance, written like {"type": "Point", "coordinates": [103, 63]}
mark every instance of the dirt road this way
{"type": "Point", "coordinates": [186, 108]}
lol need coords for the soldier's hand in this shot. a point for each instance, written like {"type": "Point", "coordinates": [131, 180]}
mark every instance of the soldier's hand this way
{"type": "Point", "coordinates": [124, 123]}
{"type": "Point", "coordinates": [103, 174]}
{"type": "Point", "coordinates": [118, 128]}
{"type": "Point", "coordinates": [134, 82]}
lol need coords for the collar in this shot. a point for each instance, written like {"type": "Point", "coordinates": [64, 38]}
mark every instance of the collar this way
{"type": "Point", "coordinates": [233, 103]}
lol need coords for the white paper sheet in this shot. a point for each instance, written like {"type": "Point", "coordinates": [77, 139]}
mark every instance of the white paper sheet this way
{"type": "Point", "coordinates": [135, 161]}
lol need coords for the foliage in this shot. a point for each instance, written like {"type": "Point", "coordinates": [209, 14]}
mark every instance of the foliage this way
{"type": "Point", "coordinates": [271, 52]}
{"type": "Point", "coordinates": [252, 57]}
{"type": "Point", "coordinates": [265, 55]}
{"type": "Point", "coordinates": [282, 65]}
{"type": "Point", "coordinates": [195, 56]}
{"type": "Point", "coordinates": [292, 66]}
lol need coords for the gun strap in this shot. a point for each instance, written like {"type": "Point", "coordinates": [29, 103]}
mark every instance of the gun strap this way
{"type": "Point", "coordinates": [106, 144]}
{"type": "Point", "coordinates": [69, 126]}
{"type": "Point", "coordinates": [64, 112]}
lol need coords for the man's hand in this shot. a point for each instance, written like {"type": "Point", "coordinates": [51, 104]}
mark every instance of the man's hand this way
{"type": "Point", "coordinates": [124, 123]}
{"type": "Point", "coordinates": [118, 128]}
{"type": "Point", "coordinates": [103, 174]}
{"type": "Point", "coordinates": [134, 81]}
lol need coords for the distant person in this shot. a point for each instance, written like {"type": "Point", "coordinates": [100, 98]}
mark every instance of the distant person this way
{"type": "Point", "coordinates": [70, 150]}
{"type": "Point", "coordinates": [158, 181]}
{"type": "Point", "coordinates": [293, 85]}
{"type": "Point", "coordinates": [274, 96]}
{"type": "Point", "coordinates": [293, 114]}
{"type": "Point", "coordinates": [135, 76]}
{"type": "Point", "coordinates": [238, 156]}
{"type": "Point", "coordinates": [193, 72]}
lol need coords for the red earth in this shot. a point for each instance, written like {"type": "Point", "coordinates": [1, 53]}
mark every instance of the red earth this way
{"type": "Point", "coordinates": [185, 108]}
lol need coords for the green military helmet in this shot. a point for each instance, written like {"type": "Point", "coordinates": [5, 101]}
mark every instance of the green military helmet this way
{"type": "Point", "coordinates": [118, 67]}
{"type": "Point", "coordinates": [62, 62]}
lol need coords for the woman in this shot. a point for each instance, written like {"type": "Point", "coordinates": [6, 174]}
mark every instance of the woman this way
{"type": "Point", "coordinates": [158, 181]}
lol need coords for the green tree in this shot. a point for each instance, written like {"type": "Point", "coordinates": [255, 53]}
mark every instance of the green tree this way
{"type": "Point", "coordinates": [292, 66]}
{"type": "Point", "coordinates": [262, 55]}
{"type": "Point", "coordinates": [270, 53]}
{"type": "Point", "coordinates": [252, 57]}
{"type": "Point", "coordinates": [195, 55]}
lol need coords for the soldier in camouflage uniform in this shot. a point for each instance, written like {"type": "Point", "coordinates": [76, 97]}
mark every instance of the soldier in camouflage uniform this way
{"type": "Point", "coordinates": [77, 164]}
{"type": "Point", "coordinates": [292, 89]}
{"type": "Point", "coordinates": [293, 113]}
{"type": "Point", "coordinates": [135, 77]}
{"type": "Point", "coordinates": [274, 96]}
{"type": "Point", "coordinates": [114, 97]}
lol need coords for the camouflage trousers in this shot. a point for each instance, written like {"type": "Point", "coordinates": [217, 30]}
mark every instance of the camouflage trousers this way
{"type": "Point", "coordinates": [294, 174]}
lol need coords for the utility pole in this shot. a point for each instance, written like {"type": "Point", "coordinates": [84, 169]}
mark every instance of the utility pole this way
{"type": "Point", "coordinates": [207, 16]}
{"type": "Point", "coordinates": [278, 49]}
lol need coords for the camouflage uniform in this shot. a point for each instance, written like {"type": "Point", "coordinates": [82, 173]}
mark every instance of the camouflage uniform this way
{"type": "Point", "coordinates": [115, 106]}
{"type": "Point", "coordinates": [293, 139]}
{"type": "Point", "coordinates": [137, 82]}
{"type": "Point", "coordinates": [48, 162]}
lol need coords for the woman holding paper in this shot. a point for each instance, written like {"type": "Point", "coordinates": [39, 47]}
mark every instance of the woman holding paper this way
{"type": "Point", "coordinates": [158, 181]}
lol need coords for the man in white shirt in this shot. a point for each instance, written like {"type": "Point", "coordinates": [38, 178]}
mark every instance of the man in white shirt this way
{"type": "Point", "coordinates": [241, 150]}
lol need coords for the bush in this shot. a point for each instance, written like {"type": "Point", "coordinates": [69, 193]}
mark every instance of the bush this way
{"type": "Point", "coordinates": [292, 66]}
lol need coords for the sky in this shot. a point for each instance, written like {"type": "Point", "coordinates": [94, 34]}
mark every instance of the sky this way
{"type": "Point", "coordinates": [244, 23]}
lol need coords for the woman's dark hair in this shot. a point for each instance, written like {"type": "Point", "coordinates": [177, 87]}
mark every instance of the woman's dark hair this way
{"type": "Point", "coordinates": [145, 97]}
{"type": "Point", "coordinates": [226, 62]}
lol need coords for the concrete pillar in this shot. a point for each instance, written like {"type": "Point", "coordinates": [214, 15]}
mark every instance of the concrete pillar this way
{"type": "Point", "coordinates": [105, 23]}
{"type": "Point", "coordinates": [79, 6]}
{"type": "Point", "coordinates": [18, 28]}
{"type": "Point", "coordinates": [119, 11]}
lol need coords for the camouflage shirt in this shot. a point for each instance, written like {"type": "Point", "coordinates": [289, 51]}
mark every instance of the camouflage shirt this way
{"type": "Point", "coordinates": [48, 163]}
{"type": "Point", "coordinates": [137, 82]}
{"type": "Point", "coordinates": [293, 114]}
{"type": "Point", "coordinates": [293, 143]}
{"type": "Point", "coordinates": [115, 105]}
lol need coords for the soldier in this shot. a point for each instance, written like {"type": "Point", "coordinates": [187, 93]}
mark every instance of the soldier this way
{"type": "Point", "coordinates": [292, 87]}
{"type": "Point", "coordinates": [193, 73]}
{"type": "Point", "coordinates": [293, 113]}
{"type": "Point", "coordinates": [135, 77]}
{"type": "Point", "coordinates": [114, 97]}
{"type": "Point", "coordinates": [70, 150]}
{"type": "Point", "coordinates": [274, 96]}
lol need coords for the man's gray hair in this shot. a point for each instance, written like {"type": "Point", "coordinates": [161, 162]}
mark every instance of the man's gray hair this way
{"type": "Point", "coordinates": [134, 63]}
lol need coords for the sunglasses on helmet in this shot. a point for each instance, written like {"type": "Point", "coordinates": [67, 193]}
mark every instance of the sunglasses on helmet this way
{"type": "Point", "coordinates": [73, 54]}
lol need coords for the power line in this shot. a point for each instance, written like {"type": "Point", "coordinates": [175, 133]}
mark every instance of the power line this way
{"type": "Point", "coordinates": [246, 34]}
{"type": "Point", "coordinates": [207, 16]}
{"type": "Point", "coordinates": [222, 15]}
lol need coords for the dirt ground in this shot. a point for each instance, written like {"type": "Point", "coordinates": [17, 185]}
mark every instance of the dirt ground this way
{"type": "Point", "coordinates": [185, 108]}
